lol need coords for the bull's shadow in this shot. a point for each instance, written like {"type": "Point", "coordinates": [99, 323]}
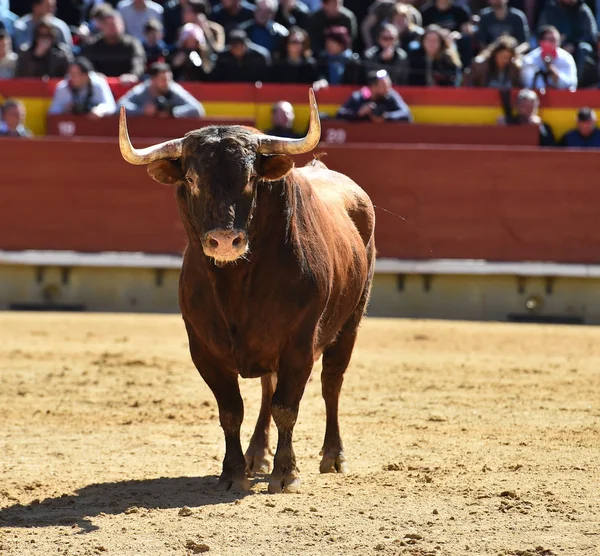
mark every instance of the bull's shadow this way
{"type": "Point", "coordinates": [115, 498]}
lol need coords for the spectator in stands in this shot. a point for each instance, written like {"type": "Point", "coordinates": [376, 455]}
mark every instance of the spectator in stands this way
{"type": "Point", "coordinates": [154, 46]}
{"type": "Point", "coordinates": [385, 11]}
{"type": "Point", "coordinates": [83, 91]}
{"type": "Point", "coordinates": [191, 61]}
{"type": "Point", "coordinates": [576, 26]}
{"type": "Point", "coordinates": [161, 96]}
{"type": "Point", "coordinates": [498, 66]}
{"type": "Point", "coordinates": [112, 52]}
{"type": "Point", "coordinates": [136, 13]}
{"type": "Point", "coordinates": [46, 56]}
{"type": "Point", "coordinates": [242, 61]}
{"type": "Point", "coordinates": [295, 63]}
{"type": "Point", "coordinates": [548, 66]}
{"type": "Point", "coordinates": [263, 30]}
{"type": "Point", "coordinates": [13, 120]}
{"type": "Point", "coordinates": [337, 64]}
{"type": "Point", "coordinates": [331, 14]}
{"type": "Point", "coordinates": [500, 19]}
{"type": "Point", "coordinates": [283, 120]}
{"type": "Point", "coordinates": [409, 33]}
{"type": "Point", "coordinates": [436, 62]}
{"type": "Point", "coordinates": [387, 54]}
{"type": "Point", "coordinates": [8, 58]}
{"type": "Point", "coordinates": [198, 11]}
{"type": "Point", "coordinates": [24, 26]}
{"type": "Point", "coordinates": [586, 134]}
{"type": "Point", "coordinates": [528, 105]}
{"type": "Point", "coordinates": [447, 14]}
{"type": "Point", "coordinates": [377, 102]}
{"type": "Point", "coordinates": [293, 13]}
{"type": "Point", "coordinates": [230, 14]}
{"type": "Point", "coordinates": [7, 18]}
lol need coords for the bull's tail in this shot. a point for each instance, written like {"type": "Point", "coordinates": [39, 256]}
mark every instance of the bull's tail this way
{"type": "Point", "coordinates": [316, 161]}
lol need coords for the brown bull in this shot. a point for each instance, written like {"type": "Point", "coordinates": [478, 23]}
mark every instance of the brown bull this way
{"type": "Point", "coordinates": [277, 272]}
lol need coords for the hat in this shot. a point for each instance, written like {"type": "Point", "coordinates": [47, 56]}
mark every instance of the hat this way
{"type": "Point", "coordinates": [585, 114]}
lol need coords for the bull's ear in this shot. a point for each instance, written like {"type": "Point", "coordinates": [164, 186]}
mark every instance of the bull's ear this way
{"type": "Point", "coordinates": [273, 168]}
{"type": "Point", "coordinates": [166, 171]}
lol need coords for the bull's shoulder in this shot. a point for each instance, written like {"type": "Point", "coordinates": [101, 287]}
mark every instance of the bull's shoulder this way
{"type": "Point", "coordinates": [338, 192]}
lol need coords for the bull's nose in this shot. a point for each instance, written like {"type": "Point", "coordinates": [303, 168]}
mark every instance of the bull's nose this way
{"type": "Point", "coordinates": [225, 244]}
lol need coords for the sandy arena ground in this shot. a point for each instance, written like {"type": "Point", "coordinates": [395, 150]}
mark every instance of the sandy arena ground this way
{"type": "Point", "coordinates": [462, 438]}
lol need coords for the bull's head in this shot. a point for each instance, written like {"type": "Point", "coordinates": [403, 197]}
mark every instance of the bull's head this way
{"type": "Point", "coordinates": [217, 170]}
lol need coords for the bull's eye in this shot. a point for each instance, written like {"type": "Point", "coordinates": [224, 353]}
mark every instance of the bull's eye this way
{"type": "Point", "coordinates": [190, 180]}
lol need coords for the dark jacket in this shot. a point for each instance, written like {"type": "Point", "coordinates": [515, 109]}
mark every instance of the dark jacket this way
{"type": "Point", "coordinates": [269, 36]}
{"type": "Point", "coordinates": [574, 139]}
{"type": "Point", "coordinates": [577, 23]}
{"type": "Point", "coordinates": [113, 60]}
{"type": "Point", "coordinates": [254, 66]}
{"type": "Point", "coordinates": [299, 16]}
{"type": "Point", "coordinates": [54, 63]}
{"type": "Point", "coordinates": [397, 66]}
{"type": "Point", "coordinates": [284, 71]}
{"type": "Point", "coordinates": [351, 69]}
{"type": "Point", "coordinates": [443, 72]}
{"type": "Point", "coordinates": [392, 107]}
{"type": "Point", "coordinates": [319, 22]}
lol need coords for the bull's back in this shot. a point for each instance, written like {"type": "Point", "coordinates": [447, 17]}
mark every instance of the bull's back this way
{"type": "Point", "coordinates": [340, 193]}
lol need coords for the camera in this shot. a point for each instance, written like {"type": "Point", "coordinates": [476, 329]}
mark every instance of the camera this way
{"type": "Point", "coordinates": [162, 104]}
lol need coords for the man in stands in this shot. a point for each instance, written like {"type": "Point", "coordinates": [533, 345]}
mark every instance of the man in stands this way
{"type": "Point", "coordinates": [331, 14]}
{"type": "Point", "coordinates": [8, 58]}
{"type": "Point", "coordinates": [242, 61]}
{"type": "Point", "coordinates": [549, 66]}
{"type": "Point", "coordinates": [83, 91]}
{"type": "Point", "coordinates": [24, 26]}
{"type": "Point", "coordinates": [112, 52]}
{"type": "Point", "coordinates": [586, 134]}
{"type": "Point", "coordinates": [136, 13]}
{"type": "Point", "coordinates": [528, 104]}
{"type": "Point", "coordinates": [13, 118]}
{"type": "Point", "coordinates": [230, 14]}
{"type": "Point", "coordinates": [283, 120]}
{"type": "Point", "coordinates": [378, 102]}
{"type": "Point", "coordinates": [263, 30]}
{"type": "Point", "coordinates": [500, 19]}
{"type": "Point", "coordinates": [161, 96]}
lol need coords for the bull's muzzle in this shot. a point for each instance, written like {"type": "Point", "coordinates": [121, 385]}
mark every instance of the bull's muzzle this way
{"type": "Point", "coordinates": [225, 245]}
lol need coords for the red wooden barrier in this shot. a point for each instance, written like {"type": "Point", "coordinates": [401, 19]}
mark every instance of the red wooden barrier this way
{"type": "Point", "coordinates": [139, 126]}
{"type": "Point", "coordinates": [499, 204]}
{"type": "Point", "coordinates": [341, 132]}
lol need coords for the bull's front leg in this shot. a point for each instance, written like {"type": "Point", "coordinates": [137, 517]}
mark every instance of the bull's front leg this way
{"type": "Point", "coordinates": [291, 381]}
{"type": "Point", "coordinates": [257, 454]}
{"type": "Point", "coordinates": [225, 387]}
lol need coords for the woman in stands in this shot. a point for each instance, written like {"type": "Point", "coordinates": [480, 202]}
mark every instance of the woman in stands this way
{"type": "Point", "coordinates": [498, 66]}
{"type": "Point", "coordinates": [436, 62]}
{"type": "Point", "coordinates": [191, 61]}
{"type": "Point", "coordinates": [409, 33]}
{"type": "Point", "coordinates": [295, 63]}
{"type": "Point", "coordinates": [45, 56]}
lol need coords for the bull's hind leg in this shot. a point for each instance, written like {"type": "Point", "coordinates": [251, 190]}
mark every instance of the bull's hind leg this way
{"type": "Point", "coordinates": [257, 455]}
{"type": "Point", "coordinates": [336, 359]}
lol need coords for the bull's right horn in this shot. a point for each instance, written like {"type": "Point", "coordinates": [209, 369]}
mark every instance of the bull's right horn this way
{"type": "Point", "coordinates": [167, 150]}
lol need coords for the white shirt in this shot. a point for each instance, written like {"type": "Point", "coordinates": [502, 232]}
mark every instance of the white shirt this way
{"type": "Point", "coordinates": [564, 64]}
{"type": "Point", "coordinates": [135, 20]}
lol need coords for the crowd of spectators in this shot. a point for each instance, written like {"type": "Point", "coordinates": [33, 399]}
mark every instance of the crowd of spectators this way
{"type": "Point", "coordinates": [153, 45]}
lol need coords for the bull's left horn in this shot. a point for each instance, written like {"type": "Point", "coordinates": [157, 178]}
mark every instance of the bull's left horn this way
{"type": "Point", "coordinates": [267, 144]}
{"type": "Point", "coordinates": [167, 150]}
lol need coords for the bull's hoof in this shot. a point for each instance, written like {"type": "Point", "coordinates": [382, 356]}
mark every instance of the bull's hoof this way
{"type": "Point", "coordinates": [257, 464]}
{"type": "Point", "coordinates": [334, 463]}
{"type": "Point", "coordinates": [229, 483]}
{"type": "Point", "coordinates": [288, 483]}
{"type": "Point", "coordinates": [257, 461]}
